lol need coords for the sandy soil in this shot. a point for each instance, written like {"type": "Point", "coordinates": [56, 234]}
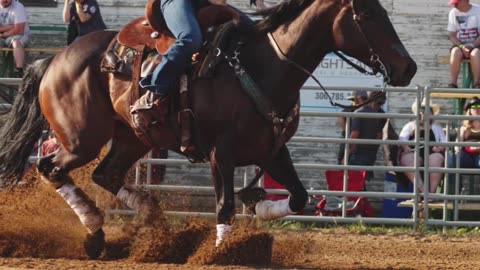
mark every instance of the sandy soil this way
{"type": "Point", "coordinates": [308, 250]}
{"type": "Point", "coordinates": [39, 231]}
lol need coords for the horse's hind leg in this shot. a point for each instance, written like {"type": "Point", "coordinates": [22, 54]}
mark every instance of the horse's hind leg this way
{"type": "Point", "coordinates": [54, 169]}
{"type": "Point", "coordinates": [125, 150]}
{"type": "Point", "coordinates": [281, 169]}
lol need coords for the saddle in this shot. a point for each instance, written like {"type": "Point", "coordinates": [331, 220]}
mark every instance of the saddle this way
{"type": "Point", "coordinates": [139, 47]}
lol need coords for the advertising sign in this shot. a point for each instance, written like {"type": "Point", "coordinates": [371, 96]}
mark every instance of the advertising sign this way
{"type": "Point", "coordinates": [334, 72]}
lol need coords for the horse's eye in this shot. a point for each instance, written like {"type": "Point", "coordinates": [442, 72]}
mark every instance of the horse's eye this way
{"type": "Point", "coordinates": [367, 15]}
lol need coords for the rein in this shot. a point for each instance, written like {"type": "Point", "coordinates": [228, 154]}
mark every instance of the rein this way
{"type": "Point", "coordinates": [374, 59]}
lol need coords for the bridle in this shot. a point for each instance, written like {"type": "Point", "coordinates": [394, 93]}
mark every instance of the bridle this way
{"type": "Point", "coordinates": [374, 60]}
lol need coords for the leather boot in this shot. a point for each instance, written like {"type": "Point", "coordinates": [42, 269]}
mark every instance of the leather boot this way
{"type": "Point", "coordinates": [144, 111]}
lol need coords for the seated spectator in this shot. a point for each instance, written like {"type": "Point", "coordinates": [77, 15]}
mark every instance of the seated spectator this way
{"type": "Point", "coordinates": [436, 157]}
{"type": "Point", "coordinates": [463, 25]}
{"type": "Point", "coordinates": [14, 31]}
{"type": "Point", "coordinates": [50, 145]}
{"type": "Point", "coordinates": [357, 97]}
{"type": "Point", "coordinates": [470, 132]}
{"type": "Point", "coordinates": [260, 5]}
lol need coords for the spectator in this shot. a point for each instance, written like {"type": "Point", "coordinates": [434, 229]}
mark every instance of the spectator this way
{"type": "Point", "coordinates": [470, 132]}
{"type": "Point", "coordinates": [366, 128]}
{"type": "Point", "coordinates": [14, 31]}
{"type": "Point", "coordinates": [357, 97]}
{"type": "Point", "coordinates": [435, 134]}
{"type": "Point", "coordinates": [50, 145]}
{"type": "Point", "coordinates": [259, 4]}
{"type": "Point", "coordinates": [463, 28]}
{"type": "Point", "coordinates": [83, 17]}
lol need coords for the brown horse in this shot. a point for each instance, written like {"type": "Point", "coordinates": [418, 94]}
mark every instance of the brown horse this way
{"type": "Point", "coordinates": [86, 108]}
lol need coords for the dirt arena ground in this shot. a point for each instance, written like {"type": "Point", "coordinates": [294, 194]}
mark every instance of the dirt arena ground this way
{"type": "Point", "coordinates": [38, 231]}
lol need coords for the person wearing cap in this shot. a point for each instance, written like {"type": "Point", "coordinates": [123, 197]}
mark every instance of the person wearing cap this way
{"type": "Point", "coordinates": [357, 97]}
{"type": "Point", "coordinates": [463, 28]}
{"type": "Point", "coordinates": [435, 134]}
{"type": "Point", "coordinates": [83, 17]}
{"type": "Point", "coordinates": [470, 132]}
{"type": "Point", "coordinates": [366, 128]}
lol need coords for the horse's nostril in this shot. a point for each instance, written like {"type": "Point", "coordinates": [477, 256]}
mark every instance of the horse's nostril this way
{"type": "Point", "coordinates": [412, 68]}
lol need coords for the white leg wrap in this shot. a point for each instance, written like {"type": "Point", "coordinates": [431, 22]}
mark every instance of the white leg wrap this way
{"type": "Point", "coordinates": [82, 206]}
{"type": "Point", "coordinates": [222, 231]}
{"type": "Point", "coordinates": [270, 210]}
{"type": "Point", "coordinates": [130, 198]}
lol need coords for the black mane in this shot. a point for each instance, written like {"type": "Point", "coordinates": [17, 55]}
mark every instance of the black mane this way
{"type": "Point", "coordinates": [281, 13]}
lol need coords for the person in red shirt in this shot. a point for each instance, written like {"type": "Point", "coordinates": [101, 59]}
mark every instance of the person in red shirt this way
{"type": "Point", "coordinates": [50, 145]}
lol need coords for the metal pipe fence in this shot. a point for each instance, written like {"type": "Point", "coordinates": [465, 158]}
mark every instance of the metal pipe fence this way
{"type": "Point", "coordinates": [448, 196]}
{"type": "Point", "coordinates": [419, 170]}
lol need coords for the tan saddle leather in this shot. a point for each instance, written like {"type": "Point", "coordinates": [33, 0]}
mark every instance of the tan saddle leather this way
{"type": "Point", "coordinates": [151, 31]}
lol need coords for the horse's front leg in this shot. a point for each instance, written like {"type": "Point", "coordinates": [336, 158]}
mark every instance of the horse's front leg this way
{"type": "Point", "coordinates": [222, 167]}
{"type": "Point", "coordinates": [281, 169]}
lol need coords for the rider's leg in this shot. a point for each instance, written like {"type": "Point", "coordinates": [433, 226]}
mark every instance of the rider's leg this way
{"type": "Point", "coordinates": [181, 21]}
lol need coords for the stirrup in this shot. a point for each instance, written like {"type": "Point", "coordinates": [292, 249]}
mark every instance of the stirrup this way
{"type": "Point", "coordinates": [145, 102]}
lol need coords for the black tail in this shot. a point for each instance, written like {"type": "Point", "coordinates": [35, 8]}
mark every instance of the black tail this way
{"type": "Point", "coordinates": [23, 125]}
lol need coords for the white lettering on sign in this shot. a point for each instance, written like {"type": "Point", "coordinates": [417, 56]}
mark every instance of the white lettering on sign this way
{"type": "Point", "coordinates": [334, 72]}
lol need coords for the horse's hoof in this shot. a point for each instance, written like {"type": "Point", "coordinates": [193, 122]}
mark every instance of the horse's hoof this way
{"type": "Point", "coordinates": [250, 196]}
{"type": "Point", "coordinates": [94, 244]}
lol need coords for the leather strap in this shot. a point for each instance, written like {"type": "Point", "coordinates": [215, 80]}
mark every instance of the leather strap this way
{"type": "Point", "coordinates": [281, 126]}
{"type": "Point", "coordinates": [262, 103]}
{"type": "Point", "coordinates": [137, 65]}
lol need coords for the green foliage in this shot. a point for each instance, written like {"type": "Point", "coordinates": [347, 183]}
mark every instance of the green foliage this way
{"type": "Point", "coordinates": [362, 228]}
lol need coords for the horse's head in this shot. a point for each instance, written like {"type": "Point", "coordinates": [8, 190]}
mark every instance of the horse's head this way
{"type": "Point", "coordinates": [363, 30]}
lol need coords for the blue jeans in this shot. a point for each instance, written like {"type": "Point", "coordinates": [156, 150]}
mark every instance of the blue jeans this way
{"type": "Point", "coordinates": [363, 160]}
{"type": "Point", "coordinates": [180, 16]}
{"type": "Point", "coordinates": [467, 160]}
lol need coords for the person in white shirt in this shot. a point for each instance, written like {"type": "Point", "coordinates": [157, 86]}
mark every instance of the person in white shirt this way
{"type": "Point", "coordinates": [14, 30]}
{"type": "Point", "coordinates": [463, 28]}
{"type": "Point", "coordinates": [436, 153]}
